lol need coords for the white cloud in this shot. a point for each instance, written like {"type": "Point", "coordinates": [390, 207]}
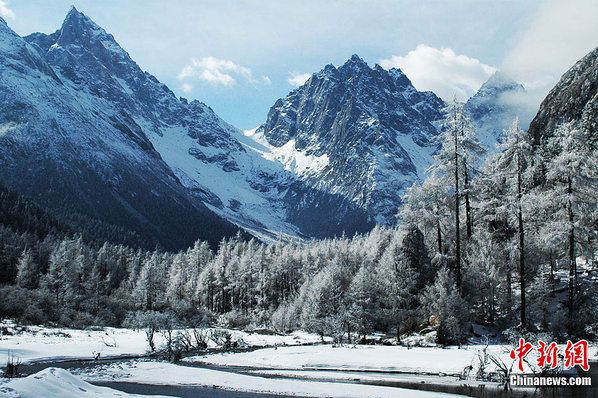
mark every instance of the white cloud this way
{"type": "Point", "coordinates": [442, 71]}
{"type": "Point", "coordinates": [266, 80]}
{"type": "Point", "coordinates": [187, 88]}
{"type": "Point", "coordinates": [560, 34]}
{"type": "Point", "coordinates": [297, 79]}
{"type": "Point", "coordinates": [5, 11]}
{"type": "Point", "coordinates": [218, 71]}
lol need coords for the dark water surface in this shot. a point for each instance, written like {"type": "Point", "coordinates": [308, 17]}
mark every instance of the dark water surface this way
{"type": "Point", "coordinates": [180, 391]}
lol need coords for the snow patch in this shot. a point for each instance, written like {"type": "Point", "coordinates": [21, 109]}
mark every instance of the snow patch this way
{"type": "Point", "coordinates": [56, 383]}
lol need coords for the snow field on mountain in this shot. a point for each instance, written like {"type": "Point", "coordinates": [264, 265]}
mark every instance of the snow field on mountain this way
{"type": "Point", "coordinates": [293, 160]}
{"type": "Point", "coordinates": [253, 209]}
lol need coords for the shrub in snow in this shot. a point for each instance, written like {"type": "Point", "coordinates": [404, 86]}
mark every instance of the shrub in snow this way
{"type": "Point", "coordinates": [234, 320]}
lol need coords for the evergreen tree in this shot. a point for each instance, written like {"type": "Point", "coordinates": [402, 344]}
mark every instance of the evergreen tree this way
{"type": "Point", "coordinates": [569, 194]}
{"type": "Point", "coordinates": [27, 270]}
{"type": "Point", "coordinates": [426, 206]}
{"type": "Point", "coordinates": [453, 162]}
{"type": "Point", "coordinates": [514, 158]}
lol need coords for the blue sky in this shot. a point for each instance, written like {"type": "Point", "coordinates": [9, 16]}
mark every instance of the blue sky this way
{"type": "Point", "coordinates": [240, 56]}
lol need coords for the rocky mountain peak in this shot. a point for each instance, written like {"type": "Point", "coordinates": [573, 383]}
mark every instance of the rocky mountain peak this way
{"type": "Point", "coordinates": [355, 63]}
{"type": "Point", "coordinates": [500, 79]}
{"type": "Point", "coordinates": [353, 67]}
{"type": "Point", "coordinates": [80, 44]}
{"type": "Point", "coordinates": [367, 128]}
{"type": "Point", "coordinates": [495, 105]}
{"type": "Point", "coordinates": [499, 82]}
{"type": "Point", "coordinates": [78, 28]}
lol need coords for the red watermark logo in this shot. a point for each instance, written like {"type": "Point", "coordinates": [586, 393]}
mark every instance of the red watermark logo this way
{"type": "Point", "coordinates": [574, 354]}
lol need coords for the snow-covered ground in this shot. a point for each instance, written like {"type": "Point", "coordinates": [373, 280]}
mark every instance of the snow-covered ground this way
{"type": "Point", "coordinates": [55, 383]}
{"type": "Point", "coordinates": [40, 344]}
{"type": "Point", "coordinates": [364, 357]}
{"type": "Point", "coordinates": [161, 373]}
{"type": "Point", "coordinates": [286, 368]}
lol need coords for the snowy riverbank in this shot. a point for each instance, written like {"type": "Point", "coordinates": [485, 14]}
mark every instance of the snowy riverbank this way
{"type": "Point", "coordinates": [286, 367]}
{"type": "Point", "coordinates": [30, 344]}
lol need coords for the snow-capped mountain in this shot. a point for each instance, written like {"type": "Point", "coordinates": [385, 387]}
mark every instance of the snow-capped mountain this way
{"type": "Point", "coordinates": [116, 142]}
{"type": "Point", "coordinates": [82, 127]}
{"type": "Point", "coordinates": [78, 125]}
{"type": "Point", "coordinates": [362, 134]}
{"type": "Point", "coordinates": [495, 106]}
{"type": "Point", "coordinates": [201, 149]}
{"type": "Point", "coordinates": [574, 98]}
{"type": "Point", "coordinates": [215, 161]}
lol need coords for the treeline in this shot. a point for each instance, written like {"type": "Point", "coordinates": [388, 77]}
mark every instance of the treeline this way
{"type": "Point", "coordinates": [495, 243]}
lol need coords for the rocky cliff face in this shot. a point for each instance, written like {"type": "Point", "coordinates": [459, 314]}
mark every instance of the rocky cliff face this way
{"type": "Point", "coordinates": [574, 98]}
{"type": "Point", "coordinates": [367, 133]}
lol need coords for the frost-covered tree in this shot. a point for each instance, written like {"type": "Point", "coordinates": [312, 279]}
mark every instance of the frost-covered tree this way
{"type": "Point", "coordinates": [177, 279]}
{"type": "Point", "coordinates": [569, 195]}
{"type": "Point", "coordinates": [151, 283]}
{"type": "Point", "coordinates": [198, 258]}
{"type": "Point", "coordinates": [27, 270]}
{"type": "Point", "coordinates": [453, 162]}
{"type": "Point", "coordinates": [484, 276]}
{"type": "Point", "coordinates": [426, 206]}
{"type": "Point", "coordinates": [364, 295]}
{"type": "Point", "coordinates": [399, 279]}
{"type": "Point", "coordinates": [510, 178]}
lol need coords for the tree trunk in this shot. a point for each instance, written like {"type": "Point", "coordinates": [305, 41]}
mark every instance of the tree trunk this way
{"type": "Point", "coordinates": [457, 226]}
{"type": "Point", "coordinates": [439, 235]}
{"type": "Point", "coordinates": [398, 334]}
{"type": "Point", "coordinates": [551, 260]}
{"type": "Point", "coordinates": [572, 264]}
{"type": "Point", "coordinates": [509, 286]}
{"type": "Point", "coordinates": [521, 243]}
{"type": "Point", "coordinates": [349, 334]}
{"type": "Point", "coordinates": [467, 204]}
{"type": "Point", "coordinates": [492, 304]}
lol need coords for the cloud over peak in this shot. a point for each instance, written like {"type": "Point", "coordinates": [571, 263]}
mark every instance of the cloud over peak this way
{"type": "Point", "coordinates": [219, 72]}
{"type": "Point", "coordinates": [298, 79]}
{"type": "Point", "coordinates": [442, 71]}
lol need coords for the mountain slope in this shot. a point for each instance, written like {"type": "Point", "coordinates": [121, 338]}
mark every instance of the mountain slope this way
{"type": "Point", "coordinates": [362, 134]}
{"type": "Point", "coordinates": [575, 97]}
{"type": "Point", "coordinates": [72, 144]}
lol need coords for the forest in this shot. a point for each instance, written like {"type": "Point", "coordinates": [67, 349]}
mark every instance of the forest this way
{"type": "Point", "coordinates": [506, 239]}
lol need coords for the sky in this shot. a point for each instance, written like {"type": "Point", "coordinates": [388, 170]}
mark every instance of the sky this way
{"type": "Point", "coordinates": [240, 56]}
